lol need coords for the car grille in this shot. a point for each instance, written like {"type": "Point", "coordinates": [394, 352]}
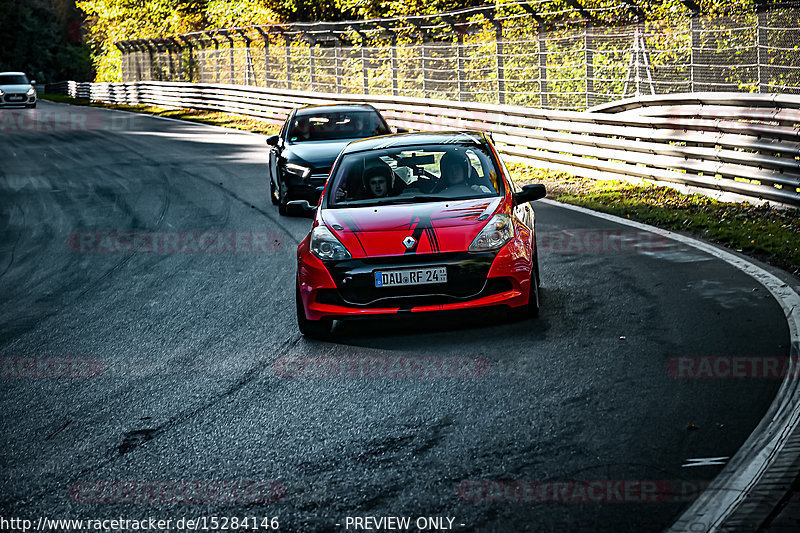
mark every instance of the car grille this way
{"type": "Point", "coordinates": [466, 279]}
{"type": "Point", "coordinates": [491, 286]}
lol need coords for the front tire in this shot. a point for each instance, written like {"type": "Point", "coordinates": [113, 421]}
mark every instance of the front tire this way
{"type": "Point", "coordinates": [283, 196]}
{"type": "Point", "coordinates": [273, 194]}
{"type": "Point", "coordinates": [313, 329]}
{"type": "Point", "coordinates": [534, 297]}
{"type": "Point", "coordinates": [531, 309]}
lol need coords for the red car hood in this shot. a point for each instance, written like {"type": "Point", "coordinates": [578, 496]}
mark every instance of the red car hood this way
{"type": "Point", "coordinates": [436, 227]}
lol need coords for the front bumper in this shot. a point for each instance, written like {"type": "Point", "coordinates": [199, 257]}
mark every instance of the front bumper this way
{"type": "Point", "coordinates": [305, 188]}
{"type": "Point", "coordinates": [16, 99]}
{"type": "Point", "coordinates": [475, 280]}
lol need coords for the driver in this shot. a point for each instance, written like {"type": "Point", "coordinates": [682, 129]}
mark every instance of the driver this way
{"type": "Point", "coordinates": [454, 169]}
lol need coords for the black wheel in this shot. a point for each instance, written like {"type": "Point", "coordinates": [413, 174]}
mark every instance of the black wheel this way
{"type": "Point", "coordinates": [314, 329]}
{"type": "Point", "coordinates": [531, 310]}
{"type": "Point", "coordinates": [283, 196]}
{"type": "Point", "coordinates": [273, 194]}
{"type": "Point", "coordinates": [533, 299]}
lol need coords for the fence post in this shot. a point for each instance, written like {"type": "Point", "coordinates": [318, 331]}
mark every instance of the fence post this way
{"type": "Point", "coordinates": [394, 65]}
{"type": "Point", "coordinates": [288, 62]}
{"type": "Point", "coordinates": [265, 38]}
{"type": "Point", "coordinates": [501, 76]}
{"type": "Point", "coordinates": [460, 65]}
{"type": "Point", "coordinates": [231, 57]}
{"type": "Point", "coordinates": [543, 90]}
{"type": "Point", "coordinates": [311, 66]}
{"type": "Point", "coordinates": [761, 44]}
{"type": "Point", "coordinates": [364, 60]}
{"type": "Point", "coordinates": [150, 60]}
{"type": "Point", "coordinates": [589, 58]}
{"type": "Point", "coordinates": [337, 62]}
{"type": "Point", "coordinates": [170, 52]}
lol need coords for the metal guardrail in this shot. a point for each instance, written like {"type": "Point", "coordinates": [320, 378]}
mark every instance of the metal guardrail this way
{"type": "Point", "coordinates": [748, 144]}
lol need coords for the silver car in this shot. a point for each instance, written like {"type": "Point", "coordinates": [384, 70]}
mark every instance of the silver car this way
{"type": "Point", "coordinates": [16, 90]}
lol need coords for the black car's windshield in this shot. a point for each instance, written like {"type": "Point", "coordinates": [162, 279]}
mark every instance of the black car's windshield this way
{"type": "Point", "coordinates": [406, 175]}
{"type": "Point", "coordinates": [329, 126]}
{"type": "Point", "coordinates": [13, 79]}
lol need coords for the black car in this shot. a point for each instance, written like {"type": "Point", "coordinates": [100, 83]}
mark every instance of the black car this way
{"type": "Point", "coordinates": [302, 154]}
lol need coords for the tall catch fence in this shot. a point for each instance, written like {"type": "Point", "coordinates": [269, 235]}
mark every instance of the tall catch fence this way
{"type": "Point", "coordinates": [552, 54]}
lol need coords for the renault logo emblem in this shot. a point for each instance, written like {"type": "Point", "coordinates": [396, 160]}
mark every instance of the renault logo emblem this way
{"type": "Point", "coordinates": [409, 241]}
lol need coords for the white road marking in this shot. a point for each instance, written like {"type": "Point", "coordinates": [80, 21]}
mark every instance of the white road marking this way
{"type": "Point", "coordinates": [705, 461]}
{"type": "Point", "coordinates": [741, 474]}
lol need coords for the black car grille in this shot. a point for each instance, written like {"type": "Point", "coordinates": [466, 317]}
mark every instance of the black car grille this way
{"type": "Point", "coordinates": [466, 280]}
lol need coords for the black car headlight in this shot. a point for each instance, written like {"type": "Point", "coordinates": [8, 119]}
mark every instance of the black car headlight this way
{"type": "Point", "coordinates": [326, 246]}
{"type": "Point", "coordinates": [298, 170]}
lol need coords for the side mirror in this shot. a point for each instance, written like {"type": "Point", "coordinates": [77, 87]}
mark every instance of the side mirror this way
{"type": "Point", "coordinates": [33, 82]}
{"type": "Point", "coordinates": [401, 130]}
{"type": "Point", "coordinates": [300, 208]}
{"type": "Point", "coordinates": [272, 140]}
{"type": "Point", "coordinates": [529, 193]}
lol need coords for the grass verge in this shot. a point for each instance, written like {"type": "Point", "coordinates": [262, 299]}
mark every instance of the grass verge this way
{"type": "Point", "coordinates": [765, 232]}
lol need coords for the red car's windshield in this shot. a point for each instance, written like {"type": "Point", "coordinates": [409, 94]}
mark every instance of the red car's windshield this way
{"type": "Point", "coordinates": [414, 174]}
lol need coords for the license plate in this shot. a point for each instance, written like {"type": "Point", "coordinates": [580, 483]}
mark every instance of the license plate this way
{"type": "Point", "coordinates": [417, 276]}
{"type": "Point", "coordinates": [15, 98]}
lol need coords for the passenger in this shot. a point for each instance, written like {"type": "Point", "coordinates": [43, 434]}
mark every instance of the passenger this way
{"type": "Point", "coordinates": [378, 180]}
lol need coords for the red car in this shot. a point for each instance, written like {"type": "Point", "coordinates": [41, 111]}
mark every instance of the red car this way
{"type": "Point", "coordinates": [416, 223]}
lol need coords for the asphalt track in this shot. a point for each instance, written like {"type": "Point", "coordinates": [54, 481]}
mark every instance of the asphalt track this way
{"type": "Point", "coordinates": [188, 368]}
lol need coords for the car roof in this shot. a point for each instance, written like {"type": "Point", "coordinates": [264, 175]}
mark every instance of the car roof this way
{"type": "Point", "coordinates": [416, 139]}
{"type": "Point", "coordinates": [333, 108]}
{"type": "Point", "coordinates": [14, 73]}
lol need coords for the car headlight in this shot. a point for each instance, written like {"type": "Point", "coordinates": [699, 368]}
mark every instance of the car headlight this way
{"type": "Point", "coordinates": [2, 92]}
{"type": "Point", "coordinates": [31, 92]}
{"type": "Point", "coordinates": [298, 169]}
{"type": "Point", "coordinates": [494, 235]}
{"type": "Point", "coordinates": [326, 246]}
